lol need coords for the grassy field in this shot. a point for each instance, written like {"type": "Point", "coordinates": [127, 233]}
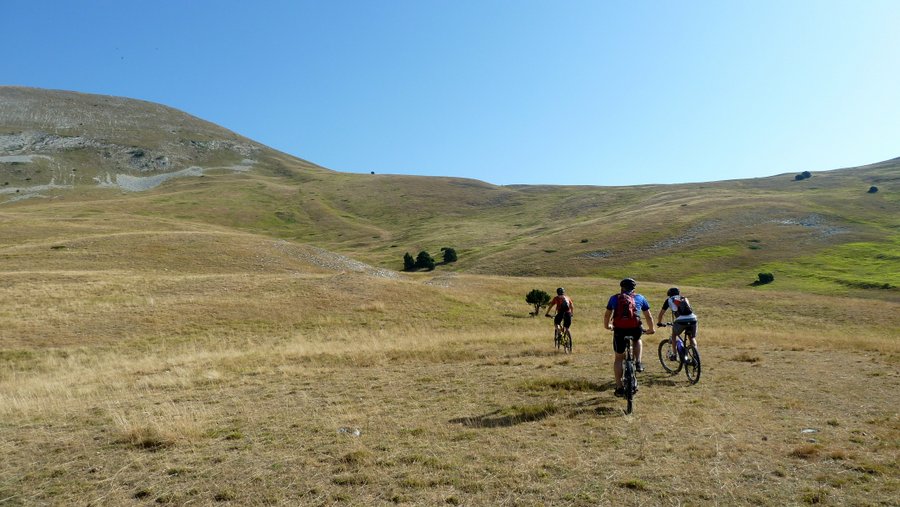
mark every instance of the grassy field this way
{"type": "Point", "coordinates": [319, 388]}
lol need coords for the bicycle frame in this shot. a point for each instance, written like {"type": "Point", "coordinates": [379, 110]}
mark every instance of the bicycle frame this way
{"type": "Point", "coordinates": [629, 376]}
{"type": "Point", "coordinates": [688, 356]}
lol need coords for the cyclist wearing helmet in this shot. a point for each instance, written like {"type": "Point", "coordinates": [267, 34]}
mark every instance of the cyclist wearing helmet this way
{"type": "Point", "coordinates": [565, 308]}
{"type": "Point", "coordinates": [622, 316]}
{"type": "Point", "coordinates": [683, 318]}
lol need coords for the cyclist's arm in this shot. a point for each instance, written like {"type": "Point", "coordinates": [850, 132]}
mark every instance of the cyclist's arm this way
{"type": "Point", "coordinates": [651, 328]}
{"type": "Point", "coordinates": [550, 306]}
{"type": "Point", "coordinates": [662, 313]}
{"type": "Point", "coordinates": [606, 317]}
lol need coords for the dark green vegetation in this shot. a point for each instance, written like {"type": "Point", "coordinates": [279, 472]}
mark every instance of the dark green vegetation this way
{"type": "Point", "coordinates": [821, 234]}
{"type": "Point", "coordinates": [537, 298]}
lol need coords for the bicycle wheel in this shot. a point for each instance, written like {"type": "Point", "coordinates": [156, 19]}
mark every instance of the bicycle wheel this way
{"type": "Point", "coordinates": [568, 346]}
{"type": "Point", "coordinates": [670, 363]}
{"type": "Point", "coordinates": [556, 338]}
{"type": "Point", "coordinates": [692, 364]}
{"type": "Point", "coordinates": [629, 381]}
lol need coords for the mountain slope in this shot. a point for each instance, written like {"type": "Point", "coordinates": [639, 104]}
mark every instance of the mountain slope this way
{"type": "Point", "coordinates": [66, 154]}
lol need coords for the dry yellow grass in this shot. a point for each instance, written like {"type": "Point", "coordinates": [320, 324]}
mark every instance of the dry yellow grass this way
{"type": "Point", "coordinates": [250, 388]}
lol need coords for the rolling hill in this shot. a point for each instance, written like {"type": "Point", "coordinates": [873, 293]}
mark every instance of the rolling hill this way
{"type": "Point", "coordinates": [190, 317]}
{"type": "Point", "coordinates": [74, 164]}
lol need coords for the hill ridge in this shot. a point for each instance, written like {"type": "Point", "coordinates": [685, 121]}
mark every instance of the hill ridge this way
{"type": "Point", "coordinates": [722, 232]}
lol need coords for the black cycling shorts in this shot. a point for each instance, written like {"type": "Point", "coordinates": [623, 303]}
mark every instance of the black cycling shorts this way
{"type": "Point", "coordinates": [620, 343]}
{"type": "Point", "coordinates": [565, 317]}
{"type": "Point", "coordinates": [685, 325]}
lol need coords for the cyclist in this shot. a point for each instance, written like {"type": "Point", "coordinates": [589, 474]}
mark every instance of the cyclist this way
{"type": "Point", "coordinates": [683, 318]}
{"type": "Point", "coordinates": [565, 308]}
{"type": "Point", "coordinates": [623, 317]}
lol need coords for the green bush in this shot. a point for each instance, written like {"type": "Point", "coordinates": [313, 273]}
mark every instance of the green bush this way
{"type": "Point", "coordinates": [764, 278]}
{"type": "Point", "coordinates": [449, 254]}
{"type": "Point", "coordinates": [537, 298]}
{"type": "Point", "coordinates": [409, 264]}
{"type": "Point", "coordinates": [425, 261]}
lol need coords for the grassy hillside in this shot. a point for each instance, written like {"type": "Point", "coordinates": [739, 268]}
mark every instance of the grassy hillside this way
{"type": "Point", "coordinates": [68, 154]}
{"type": "Point", "coordinates": [192, 318]}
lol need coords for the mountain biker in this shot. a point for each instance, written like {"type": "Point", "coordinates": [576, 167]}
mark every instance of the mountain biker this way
{"type": "Point", "coordinates": [565, 308]}
{"type": "Point", "coordinates": [623, 317]}
{"type": "Point", "coordinates": [683, 318]}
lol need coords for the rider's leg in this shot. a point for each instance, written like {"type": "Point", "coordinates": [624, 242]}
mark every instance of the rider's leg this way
{"type": "Point", "coordinates": [674, 348]}
{"type": "Point", "coordinates": [617, 369]}
{"type": "Point", "coordinates": [637, 353]}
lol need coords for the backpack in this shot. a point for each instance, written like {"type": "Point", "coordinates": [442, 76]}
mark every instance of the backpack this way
{"type": "Point", "coordinates": [625, 316]}
{"type": "Point", "coordinates": [564, 306]}
{"type": "Point", "coordinates": [681, 306]}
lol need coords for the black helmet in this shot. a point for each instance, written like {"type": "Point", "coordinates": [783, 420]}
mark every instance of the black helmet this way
{"type": "Point", "coordinates": [628, 284]}
{"type": "Point", "coordinates": [560, 291]}
{"type": "Point", "coordinates": [673, 292]}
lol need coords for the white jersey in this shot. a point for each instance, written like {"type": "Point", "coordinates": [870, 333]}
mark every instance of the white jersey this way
{"type": "Point", "coordinates": [673, 306]}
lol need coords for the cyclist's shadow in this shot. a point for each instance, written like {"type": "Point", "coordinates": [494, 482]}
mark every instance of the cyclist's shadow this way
{"type": "Point", "coordinates": [497, 419]}
{"type": "Point", "coordinates": [599, 406]}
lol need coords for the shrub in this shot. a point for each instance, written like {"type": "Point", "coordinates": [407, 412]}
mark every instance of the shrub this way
{"type": "Point", "coordinates": [537, 298]}
{"type": "Point", "coordinates": [803, 176]}
{"type": "Point", "coordinates": [764, 278]}
{"type": "Point", "coordinates": [425, 261]}
{"type": "Point", "coordinates": [872, 189]}
{"type": "Point", "coordinates": [409, 264]}
{"type": "Point", "coordinates": [449, 254]}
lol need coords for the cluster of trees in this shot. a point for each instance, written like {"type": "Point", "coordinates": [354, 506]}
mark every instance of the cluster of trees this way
{"type": "Point", "coordinates": [425, 261]}
{"type": "Point", "coordinates": [803, 176]}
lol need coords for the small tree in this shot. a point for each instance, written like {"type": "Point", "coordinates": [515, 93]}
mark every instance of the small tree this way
{"type": "Point", "coordinates": [449, 254]}
{"type": "Point", "coordinates": [873, 189]}
{"type": "Point", "coordinates": [765, 278]}
{"type": "Point", "coordinates": [409, 264]}
{"type": "Point", "coordinates": [537, 298]}
{"type": "Point", "coordinates": [425, 261]}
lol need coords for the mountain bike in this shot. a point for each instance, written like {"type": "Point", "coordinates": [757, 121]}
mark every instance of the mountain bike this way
{"type": "Point", "coordinates": [562, 337]}
{"type": "Point", "coordinates": [684, 355]}
{"type": "Point", "coordinates": [629, 375]}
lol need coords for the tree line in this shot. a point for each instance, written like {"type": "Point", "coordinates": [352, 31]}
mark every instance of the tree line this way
{"type": "Point", "coordinates": [425, 261]}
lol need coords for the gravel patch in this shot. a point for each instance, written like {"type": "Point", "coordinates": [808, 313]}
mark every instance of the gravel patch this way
{"type": "Point", "coordinates": [21, 159]}
{"type": "Point", "coordinates": [245, 165]}
{"type": "Point", "coordinates": [141, 183]}
{"type": "Point", "coordinates": [815, 221]}
{"type": "Point", "coordinates": [333, 261]}
{"type": "Point", "coordinates": [689, 235]}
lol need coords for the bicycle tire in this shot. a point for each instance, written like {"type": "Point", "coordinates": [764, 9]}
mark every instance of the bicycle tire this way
{"type": "Point", "coordinates": [556, 339]}
{"type": "Point", "coordinates": [629, 382]}
{"type": "Point", "coordinates": [693, 364]}
{"type": "Point", "coordinates": [672, 366]}
{"type": "Point", "coordinates": [568, 344]}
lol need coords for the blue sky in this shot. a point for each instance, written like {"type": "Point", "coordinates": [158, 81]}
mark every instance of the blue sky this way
{"type": "Point", "coordinates": [512, 91]}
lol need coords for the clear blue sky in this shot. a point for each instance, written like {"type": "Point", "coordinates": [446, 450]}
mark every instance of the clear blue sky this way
{"type": "Point", "coordinates": [506, 91]}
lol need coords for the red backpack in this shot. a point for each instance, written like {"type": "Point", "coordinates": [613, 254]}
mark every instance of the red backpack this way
{"type": "Point", "coordinates": [625, 316]}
